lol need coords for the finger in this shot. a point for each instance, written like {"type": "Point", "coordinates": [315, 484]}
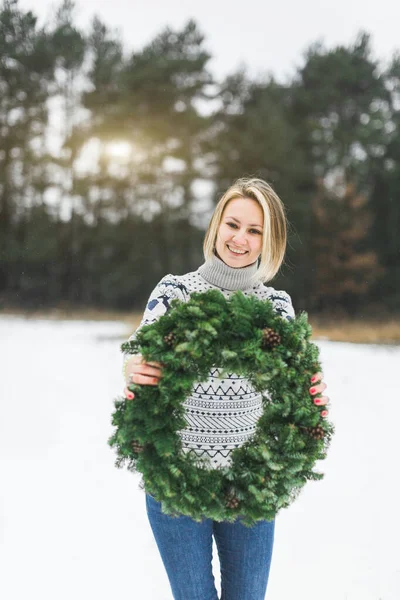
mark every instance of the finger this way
{"type": "Point", "coordinates": [317, 377]}
{"type": "Point", "coordinates": [137, 359]}
{"type": "Point", "coordinates": [128, 394]}
{"type": "Point", "coordinates": [144, 379]}
{"type": "Point", "coordinates": [156, 370]}
{"type": "Point", "coordinates": [146, 370]}
{"type": "Point", "coordinates": [324, 413]}
{"type": "Point", "coordinates": [155, 364]}
{"type": "Point", "coordinates": [315, 389]}
{"type": "Point", "coordinates": [321, 401]}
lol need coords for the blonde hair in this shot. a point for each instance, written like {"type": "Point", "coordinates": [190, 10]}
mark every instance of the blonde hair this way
{"type": "Point", "coordinates": [274, 226]}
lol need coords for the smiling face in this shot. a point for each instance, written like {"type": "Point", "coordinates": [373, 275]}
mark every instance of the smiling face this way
{"type": "Point", "coordinates": [239, 237]}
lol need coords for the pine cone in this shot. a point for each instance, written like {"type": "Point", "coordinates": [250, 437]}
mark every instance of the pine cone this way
{"type": "Point", "coordinates": [169, 339]}
{"type": "Point", "coordinates": [270, 338]}
{"type": "Point", "coordinates": [231, 500]}
{"type": "Point", "coordinates": [232, 503]}
{"type": "Point", "coordinates": [137, 447]}
{"type": "Point", "coordinates": [317, 433]}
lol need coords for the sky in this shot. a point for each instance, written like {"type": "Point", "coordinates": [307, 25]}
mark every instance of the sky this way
{"type": "Point", "coordinates": [267, 37]}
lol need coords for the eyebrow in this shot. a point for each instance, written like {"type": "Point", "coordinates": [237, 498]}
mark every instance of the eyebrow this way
{"type": "Point", "coordinates": [237, 221]}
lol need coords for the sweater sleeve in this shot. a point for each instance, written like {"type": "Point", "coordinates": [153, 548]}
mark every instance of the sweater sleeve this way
{"type": "Point", "coordinates": [283, 304]}
{"type": "Point", "coordinates": [157, 305]}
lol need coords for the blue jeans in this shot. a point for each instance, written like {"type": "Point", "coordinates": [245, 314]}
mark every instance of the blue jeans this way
{"type": "Point", "coordinates": [185, 547]}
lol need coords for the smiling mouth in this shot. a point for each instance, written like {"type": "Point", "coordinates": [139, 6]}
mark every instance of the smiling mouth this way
{"type": "Point", "coordinates": [237, 252]}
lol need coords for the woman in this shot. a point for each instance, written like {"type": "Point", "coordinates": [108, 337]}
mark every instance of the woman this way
{"type": "Point", "coordinates": [244, 247]}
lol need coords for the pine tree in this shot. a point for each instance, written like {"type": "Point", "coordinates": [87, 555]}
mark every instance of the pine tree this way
{"type": "Point", "coordinates": [345, 268]}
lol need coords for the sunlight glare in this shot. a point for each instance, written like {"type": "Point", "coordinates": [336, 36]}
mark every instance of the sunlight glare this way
{"type": "Point", "coordinates": [119, 150]}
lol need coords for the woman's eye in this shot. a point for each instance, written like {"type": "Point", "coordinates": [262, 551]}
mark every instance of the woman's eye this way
{"type": "Point", "coordinates": [251, 230]}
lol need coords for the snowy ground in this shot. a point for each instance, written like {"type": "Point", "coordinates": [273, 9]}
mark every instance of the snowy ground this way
{"type": "Point", "coordinates": [74, 526]}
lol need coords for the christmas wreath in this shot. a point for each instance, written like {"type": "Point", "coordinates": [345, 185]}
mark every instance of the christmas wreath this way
{"type": "Point", "coordinates": [242, 335]}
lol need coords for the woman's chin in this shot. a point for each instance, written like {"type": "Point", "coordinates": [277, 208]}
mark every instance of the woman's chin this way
{"type": "Point", "coordinates": [232, 260]}
{"type": "Point", "coordinates": [235, 261]}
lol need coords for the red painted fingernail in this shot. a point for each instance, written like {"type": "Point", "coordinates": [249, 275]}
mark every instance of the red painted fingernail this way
{"type": "Point", "coordinates": [317, 400]}
{"type": "Point", "coordinates": [130, 396]}
{"type": "Point", "coordinates": [312, 391]}
{"type": "Point", "coordinates": [324, 413]}
{"type": "Point", "coordinates": [313, 379]}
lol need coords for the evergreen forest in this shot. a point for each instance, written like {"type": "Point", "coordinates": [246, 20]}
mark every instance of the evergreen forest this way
{"type": "Point", "coordinates": [111, 162]}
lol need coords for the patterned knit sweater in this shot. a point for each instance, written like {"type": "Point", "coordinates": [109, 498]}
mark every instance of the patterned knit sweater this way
{"type": "Point", "coordinates": [221, 413]}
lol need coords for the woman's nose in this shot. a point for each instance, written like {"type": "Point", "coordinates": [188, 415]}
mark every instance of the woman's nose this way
{"type": "Point", "coordinates": [240, 238]}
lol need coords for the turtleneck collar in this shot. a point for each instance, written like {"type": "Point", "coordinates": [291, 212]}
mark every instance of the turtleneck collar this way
{"type": "Point", "coordinates": [218, 273]}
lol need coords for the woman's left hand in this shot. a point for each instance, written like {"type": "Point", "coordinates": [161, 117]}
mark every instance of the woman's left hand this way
{"type": "Point", "coordinates": [317, 387]}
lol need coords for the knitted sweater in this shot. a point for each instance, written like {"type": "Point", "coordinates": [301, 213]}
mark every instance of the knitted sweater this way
{"type": "Point", "coordinates": [221, 413]}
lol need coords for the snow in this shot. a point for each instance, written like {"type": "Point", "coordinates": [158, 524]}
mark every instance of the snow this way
{"type": "Point", "coordinates": [72, 525]}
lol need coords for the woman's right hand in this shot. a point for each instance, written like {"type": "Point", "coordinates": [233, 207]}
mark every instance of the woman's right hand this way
{"type": "Point", "coordinates": [142, 373]}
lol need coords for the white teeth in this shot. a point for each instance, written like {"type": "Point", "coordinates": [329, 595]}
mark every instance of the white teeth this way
{"type": "Point", "coordinates": [237, 251]}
